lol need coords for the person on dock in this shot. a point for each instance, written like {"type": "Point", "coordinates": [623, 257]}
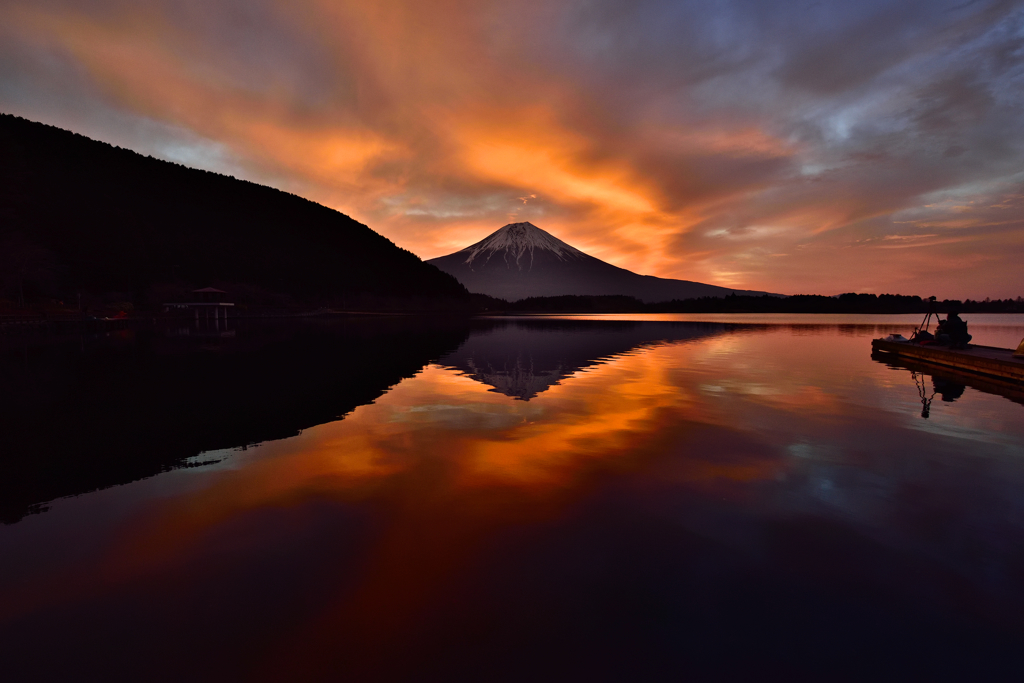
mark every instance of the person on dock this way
{"type": "Point", "coordinates": [953, 330]}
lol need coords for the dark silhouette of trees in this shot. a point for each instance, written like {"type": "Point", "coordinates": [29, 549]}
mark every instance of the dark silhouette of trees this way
{"type": "Point", "coordinates": [801, 303]}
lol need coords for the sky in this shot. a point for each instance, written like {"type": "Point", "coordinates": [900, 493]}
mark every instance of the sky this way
{"type": "Point", "coordinates": [787, 146]}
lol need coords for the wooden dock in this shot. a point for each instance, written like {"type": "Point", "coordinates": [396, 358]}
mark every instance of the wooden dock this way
{"type": "Point", "coordinates": [983, 360]}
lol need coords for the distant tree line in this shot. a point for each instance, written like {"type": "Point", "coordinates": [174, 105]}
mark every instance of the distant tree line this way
{"type": "Point", "coordinates": [801, 303]}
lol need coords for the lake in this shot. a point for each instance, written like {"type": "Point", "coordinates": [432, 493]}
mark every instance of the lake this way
{"type": "Point", "coordinates": [600, 498]}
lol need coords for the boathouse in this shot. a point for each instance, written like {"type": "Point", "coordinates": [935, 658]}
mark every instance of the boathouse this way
{"type": "Point", "coordinates": [207, 303]}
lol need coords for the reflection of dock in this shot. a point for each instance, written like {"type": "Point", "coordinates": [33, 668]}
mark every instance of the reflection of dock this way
{"type": "Point", "coordinates": [982, 360]}
{"type": "Point", "coordinates": [201, 333]}
{"type": "Point", "coordinates": [946, 375]}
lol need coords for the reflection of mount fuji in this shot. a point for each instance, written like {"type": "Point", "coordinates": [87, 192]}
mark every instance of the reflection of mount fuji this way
{"type": "Point", "coordinates": [524, 358]}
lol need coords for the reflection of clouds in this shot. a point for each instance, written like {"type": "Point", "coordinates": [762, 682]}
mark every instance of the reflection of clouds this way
{"type": "Point", "coordinates": [809, 451]}
{"type": "Point", "coordinates": [797, 430]}
{"type": "Point", "coordinates": [971, 428]}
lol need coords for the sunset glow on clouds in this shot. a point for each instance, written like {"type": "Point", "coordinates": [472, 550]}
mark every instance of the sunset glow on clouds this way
{"type": "Point", "coordinates": [785, 146]}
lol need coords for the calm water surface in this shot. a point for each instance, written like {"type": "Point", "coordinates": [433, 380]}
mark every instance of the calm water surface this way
{"type": "Point", "coordinates": [565, 498]}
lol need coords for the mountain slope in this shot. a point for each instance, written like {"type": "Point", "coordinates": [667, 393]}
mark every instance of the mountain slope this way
{"type": "Point", "coordinates": [77, 215]}
{"type": "Point", "coordinates": [520, 260]}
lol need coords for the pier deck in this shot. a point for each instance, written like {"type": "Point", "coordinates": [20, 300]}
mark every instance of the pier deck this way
{"type": "Point", "coordinates": [983, 360]}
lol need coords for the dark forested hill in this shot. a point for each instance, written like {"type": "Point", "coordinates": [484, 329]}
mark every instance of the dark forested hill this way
{"type": "Point", "coordinates": [79, 216]}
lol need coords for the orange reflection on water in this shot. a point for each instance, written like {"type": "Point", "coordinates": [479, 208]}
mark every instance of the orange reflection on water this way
{"type": "Point", "coordinates": [410, 509]}
{"type": "Point", "coordinates": [445, 462]}
{"type": "Point", "coordinates": [447, 434]}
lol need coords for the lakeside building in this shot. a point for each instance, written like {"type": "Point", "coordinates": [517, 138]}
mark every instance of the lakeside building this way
{"type": "Point", "coordinates": [208, 301]}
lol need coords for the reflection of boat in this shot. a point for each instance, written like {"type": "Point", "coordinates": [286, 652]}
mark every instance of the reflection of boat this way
{"type": "Point", "coordinates": [948, 382]}
{"type": "Point", "coordinates": [996, 363]}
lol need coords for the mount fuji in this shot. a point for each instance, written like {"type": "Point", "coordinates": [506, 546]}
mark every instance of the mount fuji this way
{"type": "Point", "coordinates": [520, 260]}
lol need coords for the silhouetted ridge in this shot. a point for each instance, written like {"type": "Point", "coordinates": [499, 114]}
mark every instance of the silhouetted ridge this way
{"type": "Point", "coordinates": [80, 215]}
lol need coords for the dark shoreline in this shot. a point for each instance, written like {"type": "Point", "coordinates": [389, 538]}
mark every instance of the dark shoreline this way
{"type": "Point", "coordinates": [15, 323]}
{"type": "Point", "coordinates": [863, 304]}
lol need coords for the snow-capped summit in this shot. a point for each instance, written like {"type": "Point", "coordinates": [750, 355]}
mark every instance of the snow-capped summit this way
{"type": "Point", "coordinates": [520, 260]}
{"type": "Point", "coordinates": [517, 243]}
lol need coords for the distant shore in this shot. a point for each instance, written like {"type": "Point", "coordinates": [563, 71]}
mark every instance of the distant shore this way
{"type": "Point", "coordinates": [852, 304]}
{"type": "Point", "coordinates": [870, 304]}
